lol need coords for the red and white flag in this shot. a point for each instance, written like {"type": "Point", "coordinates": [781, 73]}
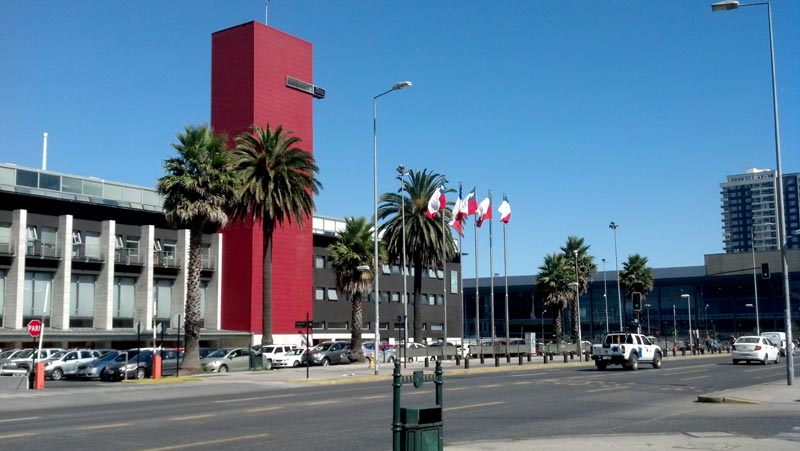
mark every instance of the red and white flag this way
{"type": "Point", "coordinates": [505, 210]}
{"type": "Point", "coordinates": [484, 211]}
{"type": "Point", "coordinates": [436, 203]}
{"type": "Point", "coordinates": [455, 222]}
{"type": "Point", "coordinates": [470, 204]}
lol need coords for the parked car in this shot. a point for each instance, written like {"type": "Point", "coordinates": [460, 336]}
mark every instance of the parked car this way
{"type": "Point", "coordinates": [270, 352]}
{"type": "Point", "coordinates": [96, 369]}
{"type": "Point", "coordinates": [140, 364]}
{"type": "Point", "coordinates": [24, 360]}
{"type": "Point", "coordinates": [778, 339]}
{"type": "Point", "coordinates": [227, 359]}
{"type": "Point", "coordinates": [754, 348]}
{"type": "Point", "coordinates": [6, 356]}
{"type": "Point", "coordinates": [65, 363]}
{"type": "Point", "coordinates": [330, 352]}
{"type": "Point", "coordinates": [294, 358]}
{"type": "Point", "coordinates": [385, 355]}
{"type": "Point", "coordinates": [204, 352]}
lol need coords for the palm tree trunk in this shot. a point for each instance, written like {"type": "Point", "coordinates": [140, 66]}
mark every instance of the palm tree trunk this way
{"type": "Point", "coordinates": [356, 319]}
{"type": "Point", "coordinates": [575, 320]}
{"type": "Point", "coordinates": [191, 356]}
{"type": "Point", "coordinates": [417, 301]}
{"type": "Point", "coordinates": [266, 294]}
{"type": "Point", "coordinates": [557, 325]}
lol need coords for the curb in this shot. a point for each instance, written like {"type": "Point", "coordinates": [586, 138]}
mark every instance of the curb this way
{"type": "Point", "coordinates": [712, 399]}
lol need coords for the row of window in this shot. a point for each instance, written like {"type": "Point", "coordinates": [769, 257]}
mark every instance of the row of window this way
{"type": "Point", "coordinates": [323, 262]}
{"type": "Point", "coordinates": [331, 294]}
{"type": "Point", "coordinates": [345, 325]}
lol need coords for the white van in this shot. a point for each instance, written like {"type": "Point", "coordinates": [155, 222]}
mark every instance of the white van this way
{"type": "Point", "coordinates": [778, 339]}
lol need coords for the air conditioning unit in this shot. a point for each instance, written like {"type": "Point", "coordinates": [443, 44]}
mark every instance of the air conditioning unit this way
{"type": "Point", "coordinates": [308, 88]}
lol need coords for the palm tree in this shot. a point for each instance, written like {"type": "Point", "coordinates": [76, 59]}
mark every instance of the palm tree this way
{"type": "Point", "coordinates": [278, 182]}
{"type": "Point", "coordinates": [552, 284]}
{"type": "Point", "coordinates": [636, 276]}
{"type": "Point", "coordinates": [198, 188]}
{"type": "Point", "coordinates": [426, 239]}
{"type": "Point", "coordinates": [354, 247]}
{"type": "Point", "coordinates": [585, 267]}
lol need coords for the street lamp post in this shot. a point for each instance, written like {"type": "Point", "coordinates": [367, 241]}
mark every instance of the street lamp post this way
{"type": "Point", "coordinates": [397, 86]}
{"type": "Point", "coordinates": [755, 279]}
{"type": "Point", "coordinates": [614, 226]}
{"type": "Point", "coordinates": [647, 306]}
{"type": "Point", "coordinates": [727, 5]}
{"type": "Point", "coordinates": [403, 173]}
{"type": "Point", "coordinates": [689, 306]}
{"type": "Point", "coordinates": [674, 328]}
{"type": "Point", "coordinates": [705, 313]}
{"type": "Point", "coordinates": [543, 312]}
{"type": "Point", "coordinates": [605, 292]}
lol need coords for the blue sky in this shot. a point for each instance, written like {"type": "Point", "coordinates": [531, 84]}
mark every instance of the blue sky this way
{"type": "Point", "coordinates": [582, 112]}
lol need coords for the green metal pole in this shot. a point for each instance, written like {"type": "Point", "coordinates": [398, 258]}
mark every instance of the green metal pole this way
{"type": "Point", "coordinates": [439, 381]}
{"type": "Point", "coordinates": [397, 385]}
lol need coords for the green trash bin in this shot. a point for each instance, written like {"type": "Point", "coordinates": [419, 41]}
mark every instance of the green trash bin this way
{"type": "Point", "coordinates": [256, 361]}
{"type": "Point", "coordinates": [421, 429]}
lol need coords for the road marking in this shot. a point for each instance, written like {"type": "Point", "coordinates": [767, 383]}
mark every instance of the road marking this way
{"type": "Point", "coordinates": [191, 417]}
{"type": "Point", "coordinates": [105, 426]}
{"type": "Point", "coordinates": [759, 369]}
{"type": "Point", "coordinates": [416, 393]}
{"type": "Point", "coordinates": [206, 443]}
{"type": "Point", "coordinates": [263, 409]}
{"type": "Point", "coordinates": [474, 405]}
{"type": "Point", "coordinates": [19, 419]}
{"type": "Point", "coordinates": [26, 434]}
{"type": "Point", "coordinates": [320, 403]}
{"type": "Point", "coordinates": [490, 385]}
{"type": "Point", "coordinates": [522, 383]}
{"type": "Point", "coordinates": [253, 398]}
{"type": "Point", "coordinates": [692, 378]}
{"type": "Point", "coordinates": [602, 389]}
{"type": "Point", "coordinates": [685, 372]}
{"type": "Point", "coordinates": [458, 388]}
{"type": "Point", "coordinates": [366, 398]}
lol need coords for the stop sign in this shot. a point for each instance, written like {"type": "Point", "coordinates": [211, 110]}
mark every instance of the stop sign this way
{"type": "Point", "coordinates": [34, 328]}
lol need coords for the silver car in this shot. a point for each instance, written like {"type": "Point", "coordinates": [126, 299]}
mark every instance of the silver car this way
{"type": "Point", "coordinates": [97, 368]}
{"type": "Point", "coordinates": [65, 363]}
{"type": "Point", "coordinates": [227, 359]}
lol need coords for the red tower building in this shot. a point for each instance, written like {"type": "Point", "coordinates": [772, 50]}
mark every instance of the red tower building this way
{"type": "Point", "coordinates": [250, 64]}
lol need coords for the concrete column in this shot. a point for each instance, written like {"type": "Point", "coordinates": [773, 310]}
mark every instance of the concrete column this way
{"type": "Point", "coordinates": [104, 286]}
{"type": "Point", "coordinates": [59, 313]}
{"type": "Point", "coordinates": [180, 287]}
{"type": "Point", "coordinates": [15, 278]}
{"type": "Point", "coordinates": [143, 310]}
{"type": "Point", "coordinates": [214, 289]}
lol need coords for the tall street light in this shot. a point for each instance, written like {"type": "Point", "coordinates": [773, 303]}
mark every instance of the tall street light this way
{"type": "Point", "coordinates": [396, 87]}
{"type": "Point", "coordinates": [755, 279]}
{"type": "Point", "coordinates": [605, 292]}
{"type": "Point", "coordinates": [403, 173]}
{"type": "Point", "coordinates": [705, 313]}
{"type": "Point", "coordinates": [734, 4]}
{"type": "Point", "coordinates": [614, 226]}
{"type": "Point", "coordinates": [689, 306]}
{"type": "Point", "coordinates": [543, 312]}
{"type": "Point", "coordinates": [647, 306]}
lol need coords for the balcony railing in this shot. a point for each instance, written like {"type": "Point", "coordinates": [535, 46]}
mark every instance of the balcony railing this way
{"type": "Point", "coordinates": [87, 252]}
{"type": "Point", "coordinates": [127, 256]}
{"type": "Point", "coordinates": [165, 258]}
{"type": "Point", "coordinates": [39, 248]}
{"type": "Point", "coordinates": [6, 248]}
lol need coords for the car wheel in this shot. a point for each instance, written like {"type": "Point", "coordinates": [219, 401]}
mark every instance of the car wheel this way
{"type": "Point", "coordinates": [103, 375]}
{"type": "Point", "coordinates": [223, 369]}
{"type": "Point", "coordinates": [633, 361]}
{"type": "Point", "coordinates": [295, 364]}
{"type": "Point", "coordinates": [57, 374]}
{"type": "Point", "coordinates": [777, 358]}
{"type": "Point", "coordinates": [601, 366]}
{"type": "Point", "coordinates": [735, 362]}
{"type": "Point", "coordinates": [325, 362]}
{"type": "Point", "coordinates": [657, 360]}
{"type": "Point", "coordinates": [139, 375]}
{"type": "Point", "coordinates": [391, 360]}
{"type": "Point", "coordinates": [765, 361]}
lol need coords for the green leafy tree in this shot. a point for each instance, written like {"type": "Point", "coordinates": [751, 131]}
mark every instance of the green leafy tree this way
{"type": "Point", "coordinates": [636, 276]}
{"type": "Point", "coordinates": [278, 183]}
{"type": "Point", "coordinates": [354, 247]}
{"type": "Point", "coordinates": [552, 284]}
{"type": "Point", "coordinates": [198, 189]}
{"type": "Point", "coordinates": [585, 267]}
{"type": "Point", "coordinates": [427, 240]}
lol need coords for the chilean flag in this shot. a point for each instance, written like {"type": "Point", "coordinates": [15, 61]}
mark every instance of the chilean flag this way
{"type": "Point", "coordinates": [505, 210]}
{"type": "Point", "coordinates": [436, 203]}
{"type": "Point", "coordinates": [456, 222]}
{"type": "Point", "coordinates": [484, 211]}
{"type": "Point", "coordinates": [470, 205]}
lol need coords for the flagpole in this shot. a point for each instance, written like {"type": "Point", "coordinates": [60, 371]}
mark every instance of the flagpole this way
{"type": "Point", "coordinates": [505, 272]}
{"type": "Point", "coordinates": [477, 296]}
{"type": "Point", "coordinates": [491, 279]}
{"type": "Point", "coordinates": [444, 274]}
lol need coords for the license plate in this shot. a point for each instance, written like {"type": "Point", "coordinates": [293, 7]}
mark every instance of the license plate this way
{"type": "Point", "coordinates": [606, 357]}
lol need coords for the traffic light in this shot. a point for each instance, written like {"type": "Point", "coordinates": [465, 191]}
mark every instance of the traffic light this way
{"type": "Point", "coordinates": [637, 301]}
{"type": "Point", "coordinates": [765, 270]}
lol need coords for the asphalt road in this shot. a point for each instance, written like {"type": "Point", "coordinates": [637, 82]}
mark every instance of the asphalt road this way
{"type": "Point", "coordinates": [250, 414]}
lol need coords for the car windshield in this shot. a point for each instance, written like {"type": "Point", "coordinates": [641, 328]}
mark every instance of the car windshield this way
{"type": "Point", "coordinates": [6, 354]}
{"type": "Point", "coordinates": [109, 357]}
{"type": "Point", "coordinates": [268, 349]}
{"type": "Point", "coordinates": [296, 352]}
{"type": "Point", "coordinates": [219, 353]}
{"type": "Point", "coordinates": [747, 340]}
{"type": "Point", "coordinates": [322, 347]}
{"type": "Point", "coordinates": [58, 355]}
{"type": "Point", "coordinates": [26, 354]}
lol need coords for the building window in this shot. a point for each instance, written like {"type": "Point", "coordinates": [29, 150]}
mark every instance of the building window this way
{"type": "Point", "coordinates": [81, 298]}
{"type": "Point", "coordinates": [319, 294]}
{"type": "Point", "coordinates": [395, 296]}
{"type": "Point", "coordinates": [332, 294]}
{"type": "Point", "coordinates": [319, 262]}
{"type": "Point", "coordinates": [163, 298]}
{"type": "Point", "coordinates": [203, 297]}
{"type": "Point", "coordinates": [92, 246]}
{"type": "Point", "coordinates": [5, 238]}
{"type": "Point", "coordinates": [437, 326]}
{"type": "Point", "coordinates": [36, 284]}
{"type": "Point", "coordinates": [425, 300]}
{"type": "Point", "coordinates": [124, 297]}
{"type": "Point", "coordinates": [384, 297]}
{"type": "Point", "coordinates": [338, 325]}
{"type": "Point", "coordinates": [439, 299]}
{"type": "Point", "coordinates": [385, 269]}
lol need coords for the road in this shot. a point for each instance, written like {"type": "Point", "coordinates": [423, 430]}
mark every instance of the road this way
{"type": "Point", "coordinates": [250, 414]}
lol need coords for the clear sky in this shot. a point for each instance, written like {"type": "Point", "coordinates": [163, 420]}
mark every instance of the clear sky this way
{"type": "Point", "coordinates": [582, 112]}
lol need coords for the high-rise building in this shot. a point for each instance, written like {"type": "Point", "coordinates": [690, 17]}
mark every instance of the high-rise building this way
{"type": "Point", "coordinates": [750, 214]}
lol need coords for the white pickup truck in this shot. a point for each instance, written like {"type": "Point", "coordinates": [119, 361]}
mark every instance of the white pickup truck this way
{"type": "Point", "coordinates": [626, 349]}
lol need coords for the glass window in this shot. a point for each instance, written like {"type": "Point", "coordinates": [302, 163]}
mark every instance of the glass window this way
{"type": "Point", "coordinates": [27, 178]}
{"type": "Point", "coordinates": [163, 297]}
{"type": "Point", "coordinates": [113, 192]}
{"type": "Point", "coordinates": [319, 294]}
{"type": "Point", "coordinates": [337, 325]}
{"type": "Point", "coordinates": [384, 296]}
{"type": "Point", "coordinates": [91, 188]}
{"type": "Point", "coordinates": [453, 281]}
{"type": "Point", "coordinates": [93, 245]}
{"type": "Point", "coordinates": [385, 269]}
{"type": "Point", "coordinates": [437, 326]}
{"type": "Point", "coordinates": [439, 299]}
{"type": "Point", "coordinates": [332, 294]}
{"type": "Point", "coordinates": [395, 296]}
{"type": "Point", "coordinates": [439, 274]}
{"type": "Point", "coordinates": [319, 262]}
{"type": "Point", "coordinates": [71, 185]}
{"type": "Point", "coordinates": [82, 295]}
{"type": "Point", "coordinates": [124, 296]}
{"type": "Point", "coordinates": [131, 194]}
{"type": "Point", "coordinates": [425, 300]}
{"type": "Point", "coordinates": [36, 283]}
{"type": "Point", "coordinates": [5, 237]}
{"type": "Point", "coordinates": [50, 181]}
{"type": "Point", "coordinates": [7, 176]}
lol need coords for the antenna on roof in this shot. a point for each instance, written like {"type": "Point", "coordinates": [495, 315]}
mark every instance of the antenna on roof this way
{"type": "Point", "coordinates": [266, 13]}
{"type": "Point", "coordinates": [44, 152]}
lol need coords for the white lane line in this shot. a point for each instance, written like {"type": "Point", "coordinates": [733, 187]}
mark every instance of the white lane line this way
{"type": "Point", "coordinates": [252, 398]}
{"type": "Point", "coordinates": [474, 405]}
{"type": "Point", "coordinates": [692, 378]}
{"type": "Point", "coordinates": [19, 419]}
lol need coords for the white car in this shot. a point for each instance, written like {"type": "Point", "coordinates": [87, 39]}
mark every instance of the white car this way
{"type": "Point", "coordinates": [293, 358]}
{"type": "Point", "coordinates": [65, 363]}
{"type": "Point", "coordinates": [270, 352]}
{"type": "Point", "coordinates": [753, 348]}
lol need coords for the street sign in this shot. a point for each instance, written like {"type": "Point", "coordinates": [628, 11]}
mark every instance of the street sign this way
{"type": "Point", "coordinates": [34, 328]}
{"type": "Point", "coordinates": [303, 324]}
